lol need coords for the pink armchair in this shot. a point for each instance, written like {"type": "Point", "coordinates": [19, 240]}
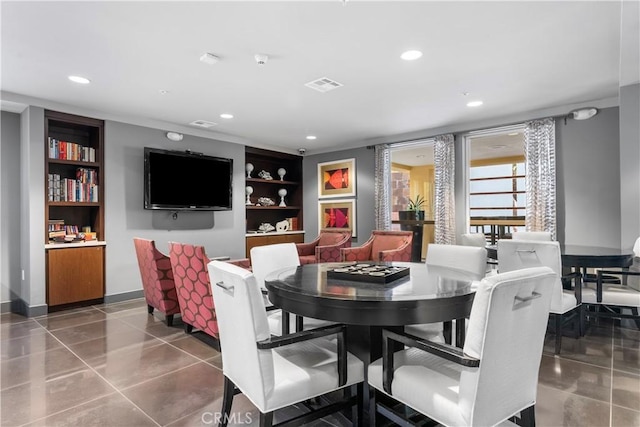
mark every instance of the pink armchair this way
{"type": "Point", "coordinates": [381, 246]}
{"type": "Point", "coordinates": [189, 264]}
{"type": "Point", "coordinates": [157, 279]}
{"type": "Point", "coordinates": [326, 248]}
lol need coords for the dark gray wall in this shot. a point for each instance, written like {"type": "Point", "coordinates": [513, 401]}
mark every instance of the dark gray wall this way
{"type": "Point", "coordinates": [629, 161]}
{"type": "Point", "coordinates": [10, 276]}
{"type": "Point", "coordinates": [364, 191]}
{"type": "Point", "coordinates": [588, 182]}
{"type": "Point", "coordinates": [221, 233]}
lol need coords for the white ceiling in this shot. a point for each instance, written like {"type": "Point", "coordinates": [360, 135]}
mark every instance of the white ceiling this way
{"type": "Point", "coordinates": [515, 56]}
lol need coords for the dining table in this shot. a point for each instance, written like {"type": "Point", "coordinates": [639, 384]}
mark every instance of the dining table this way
{"type": "Point", "coordinates": [366, 305]}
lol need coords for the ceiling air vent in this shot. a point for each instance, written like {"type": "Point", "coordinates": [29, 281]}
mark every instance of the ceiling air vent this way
{"type": "Point", "coordinates": [203, 124]}
{"type": "Point", "coordinates": [323, 84]}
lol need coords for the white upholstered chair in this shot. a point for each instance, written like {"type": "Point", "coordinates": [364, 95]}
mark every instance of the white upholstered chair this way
{"type": "Point", "coordinates": [495, 376]}
{"type": "Point", "coordinates": [275, 372]}
{"type": "Point", "coordinates": [615, 300]}
{"type": "Point", "coordinates": [267, 259]}
{"type": "Point", "coordinates": [540, 236]}
{"type": "Point", "coordinates": [518, 254]}
{"type": "Point", "coordinates": [473, 239]}
{"type": "Point", "coordinates": [469, 259]}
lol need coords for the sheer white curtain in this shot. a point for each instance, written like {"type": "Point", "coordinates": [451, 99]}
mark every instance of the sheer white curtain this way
{"type": "Point", "coordinates": [382, 187]}
{"type": "Point", "coordinates": [540, 158]}
{"type": "Point", "coordinates": [444, 162]}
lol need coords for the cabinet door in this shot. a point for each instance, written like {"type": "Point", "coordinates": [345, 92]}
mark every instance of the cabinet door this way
{"type": "Point", "coordinates": [75, 274]}
{"type": "Point", "coordinates": [272, 239]}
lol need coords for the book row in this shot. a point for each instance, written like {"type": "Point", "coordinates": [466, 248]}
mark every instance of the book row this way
{"type": "Point", "coordinates": [65, 150]}
{"type": "Point", "coordinates": [71, 190]}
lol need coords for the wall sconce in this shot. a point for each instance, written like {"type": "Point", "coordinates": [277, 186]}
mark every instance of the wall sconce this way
{"type": "Point", "coordinates": [175, 136]}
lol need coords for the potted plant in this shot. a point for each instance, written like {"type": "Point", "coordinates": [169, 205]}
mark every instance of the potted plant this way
{"type": "Point", "coordinates": [414, 209]}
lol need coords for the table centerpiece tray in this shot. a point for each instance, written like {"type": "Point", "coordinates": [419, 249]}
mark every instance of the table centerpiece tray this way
{"type": "Point", "coordinates": [368, 272]}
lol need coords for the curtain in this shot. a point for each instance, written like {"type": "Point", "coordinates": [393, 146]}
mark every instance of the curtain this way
{"type": "Point", "coordinates": [540, 159]}
{"type": "Point", "coordinates": [382, 187]}
{"type": "Point", "coordinates": [444, 162]}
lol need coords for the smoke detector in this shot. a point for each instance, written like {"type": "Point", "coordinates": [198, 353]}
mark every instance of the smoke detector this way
{"type": "Point", "coordinates": [209, 58]}
{"type": "Point", "coordinates": [175, 136]}
{"type": "Point", "coordinates": [261, 58]}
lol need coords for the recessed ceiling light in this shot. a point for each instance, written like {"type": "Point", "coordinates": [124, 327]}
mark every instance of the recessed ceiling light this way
{"type": "Point", "coordinates": [163, 92]}
{"type": "Point", "coordinates": [410, 55]}
{"type": "Point", "coordinates": [311, 137]}
{"type": "Point", "coordinates": [226, 116]}
{"type": "Point", "coordinates": [474, 104]}
{"type": "Point", "coordinates": [81, 80]}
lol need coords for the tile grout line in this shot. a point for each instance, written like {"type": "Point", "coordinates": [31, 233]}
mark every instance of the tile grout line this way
{"type": "Point", "coordinates": [613, 333]}
{"type": "Point", "coordinates": [101, 377]}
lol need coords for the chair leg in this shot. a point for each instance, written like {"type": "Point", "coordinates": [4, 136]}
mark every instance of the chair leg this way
{"type": "Point", "coordinates": [170, 320]}
{"type": "Point", "coordinates": [266, 420]}
{"type": "Point", "coordinates": [372, 407]}
{"type": "Point", "coordinates": [188, 328]}
{"type": "Point", "coordinates": [634, 311]}
{"type": "Point", "coordinates": [558, 327]}
{"type": "Point", "coordinates": [447, 328]}
{"type": "Point", "coordinates": [227, 401]}
{"type": "Point", "coordinates": [149, 309]}
{"type": "Point", "coordinates": [528, 416]}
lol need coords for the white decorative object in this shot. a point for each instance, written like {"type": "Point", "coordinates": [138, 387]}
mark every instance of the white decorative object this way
{"type": "Point", "coordinates": [265, 227]}
{"type": "Point", "coordinates": [249, 168]}
{"type": "Point", "coordinates": [248, 190]}
{"type": "Point", "coordinates": [282, 225]}
{"type": "Point", "coordinates": [281, 173]}
{"type": "Point", "coordinates": [282, 192]}
{"type": "Point", "coordinates": [265, 175]}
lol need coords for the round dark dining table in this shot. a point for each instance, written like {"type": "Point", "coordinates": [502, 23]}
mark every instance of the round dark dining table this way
{"type": "Point", "coordinates": [425, 295]}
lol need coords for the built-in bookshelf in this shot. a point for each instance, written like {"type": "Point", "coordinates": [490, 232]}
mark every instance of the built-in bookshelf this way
{"type": "Point", "coordinates": [258, 213]}
{"type": "Point", "coordinates": [74, 209]}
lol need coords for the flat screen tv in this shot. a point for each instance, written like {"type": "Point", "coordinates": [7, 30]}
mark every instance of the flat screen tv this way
{"type": "Point", "coordinates": [184, 180]}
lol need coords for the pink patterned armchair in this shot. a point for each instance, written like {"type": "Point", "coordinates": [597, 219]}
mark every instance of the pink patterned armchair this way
{"type": "Point", "coordinates": [326, 248]}
{"type": "Point", "coordinates": [157, 279]}
{"type": "Point", "coordinates": [381, 246]}
{"type": "Point", "coordinates": [189, 264]}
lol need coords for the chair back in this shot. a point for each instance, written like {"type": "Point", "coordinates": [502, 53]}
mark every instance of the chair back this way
{"type": "Point", "coordinates": [189, 264]}
{"type": "Point", "coordinates": [636, 248]}
{"type": "Point", "coordinates": [268, 258]}
{"type": "Point", "coordinates": [466, 258]}
{"type": "Point", "coordinates": [388, 240]}
{"type": "Point", "coordinates": [242, 320]}
{"type": "Point", "coordinates": [540, 236]}
{"type": "Point", "coordinates": [157, 277]}
{"type": "Point", "coordinates": [506, 332]}
{"type": "Point", "coordinates": [518, 254]}
{"type": "Point", "coordinates": [473, 239]}
{"type": "Point", "coordinates": [334, 237]}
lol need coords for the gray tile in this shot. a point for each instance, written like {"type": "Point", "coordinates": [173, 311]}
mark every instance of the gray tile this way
{"type": "Point", "coordinates": [626, 390]}
{"type": "Point", "coordinates": [575, 377]}
{"type": "Point", "coordinates": [627, 338]}
{"type": "Point", "coordinates": [95, 349]}
{"type": "Point", "coordinates": [131, 366]}
{"type": "Point", "coordinates": [112, 410]}
{"type": "Point", "coordinates": [557, 408]}
{"type": "Point", "coordinates": [38, 366]}
{"type": "Point", "coordinates": [29, 344]}
{"type": "Point", "coordinates": [22, 329]}
{"type": "Point", "coordinates": [32, 401]}
{"type": "Point", "coordinates": [6, 318]}
{"type": "Point", "coordinates": [180, 393]}
{"type": "Point", "coordinates": [581, 350]}
{"type": "Point", "coordinates": [73, 319]}
{"type": "Point", "coordinates": [136, 304]}
{"type": "Point", "coordinates": [243, 413]}
{"type": "Point", "coordinates": [623, 417]}
{"type": "Point", "coordinates": [195, 347]}
{"type": "Point", "coordinates": [89, 331]}
{"type": "Point", "coordinates": [626, 359]}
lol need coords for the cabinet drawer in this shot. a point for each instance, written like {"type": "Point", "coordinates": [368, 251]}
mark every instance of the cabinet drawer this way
{"type": "Point", "coordinates": [75, 274]}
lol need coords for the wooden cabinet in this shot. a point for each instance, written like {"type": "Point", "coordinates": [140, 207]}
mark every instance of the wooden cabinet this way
{"type": "Point", "coordinates": [74, 208]}
{"type": "Point", "coordinates": [75, 274]}
{"type": "Point", "coordinates": [291, 182]}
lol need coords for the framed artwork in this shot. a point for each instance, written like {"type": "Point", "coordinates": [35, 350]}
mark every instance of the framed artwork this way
{"type": "Point", "coordinates": [337, 215]}
{"type": "Point", "coordinates": [337, 178]}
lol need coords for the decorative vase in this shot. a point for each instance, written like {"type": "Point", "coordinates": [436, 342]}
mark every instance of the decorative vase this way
{"type": "Point", "coordinates": [248, 191]}
{"type": "Point", "coordinates": [282, 192]}
{"type": "Point", "coordinates": [281, 173]}
{"type": "Point", "coordinates": [249, 168]}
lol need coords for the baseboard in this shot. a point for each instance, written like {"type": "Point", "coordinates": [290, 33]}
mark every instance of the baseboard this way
{"type": "Point", "coordinates": [19, 306]}
{"type": "Point", "coordinates": [5, 307]}
{"type": "Point", "coordinates": [125, 296]}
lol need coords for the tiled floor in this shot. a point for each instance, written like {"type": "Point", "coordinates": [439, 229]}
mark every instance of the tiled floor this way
{"type": "Point", "coordinates": [115, 365]}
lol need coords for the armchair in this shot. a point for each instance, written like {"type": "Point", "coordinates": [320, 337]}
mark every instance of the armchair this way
{"type": "Point", "coordinates": [189, 264]}
{"type": "Point", "coordinates": [157, 279]}
{"type": "Point", "coordinates": [381, 246]}
{"type": "Point", "coordinates": [326, 248]}
{"type": "Point", "coordinates": [540, 236]}
{"type": "Point", "coordinates": [494, 377]}
{"type": "Point", "coordinates": [276, 372]}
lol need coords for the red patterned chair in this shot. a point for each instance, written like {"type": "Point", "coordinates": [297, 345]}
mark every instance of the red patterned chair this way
{"type": "Point", "coordinates": [157, 279]}
{"type": "Point", "coordinates": [381, 246]}
{"type": "Point", "coordinates": [189, 264]}
{"type": "Point", "coordinates": [326, 248]}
